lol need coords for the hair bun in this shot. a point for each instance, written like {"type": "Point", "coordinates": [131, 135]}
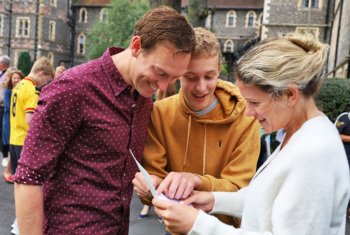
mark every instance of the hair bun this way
{"type": "Point", "coordinates": [306, 41]}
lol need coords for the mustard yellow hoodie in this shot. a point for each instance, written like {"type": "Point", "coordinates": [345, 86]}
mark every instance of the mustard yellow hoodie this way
{"type": "Point", "coordinates": [221, 146]}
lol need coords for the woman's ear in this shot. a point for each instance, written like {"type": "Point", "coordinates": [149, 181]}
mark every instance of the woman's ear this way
{"type": "Point", "coordinates": [135, 45]}
{"type": "Point", "coordinates": [292, 94]}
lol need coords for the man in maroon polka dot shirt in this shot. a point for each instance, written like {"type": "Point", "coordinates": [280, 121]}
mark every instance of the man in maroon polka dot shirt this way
{"type": "Point", "coordinates": [74, 175]}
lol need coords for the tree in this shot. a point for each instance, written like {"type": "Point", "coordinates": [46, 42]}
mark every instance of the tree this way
{"type": "Point", "coordinates": [117, 29]}
{"type": "Point", "coordinates": [197, 12]}
{"type": "Point", "coordinates": [24, 62]}
{"type": "Point", "coordinates": [333, 98]}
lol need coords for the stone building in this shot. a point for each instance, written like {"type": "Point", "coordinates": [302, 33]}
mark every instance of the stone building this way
{"type": "Point", "coordinates": [38, 27]}
{"type": "Point", "coordinates": [339, 55]}
{"type": "Point", "coordinates": [53, 28]}
{"type": "Point", "coordinates": [286, 16]}
{"type": "Point", "coordinates": [85, 13]}
{"type": "Point", "coordinates": [59, 29]}
{"type": "Point", "coordinates": [234, 23]}
{"type": "Point", "coordinates": [328, 20]}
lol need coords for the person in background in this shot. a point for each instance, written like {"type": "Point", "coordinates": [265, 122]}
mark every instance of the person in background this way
{"type": "Point", "coordinates": [303, 188]}
{"type": "Point", "coordinates": [4, 65]}
{"type": "Point", "coordinates": [59, 70]}
{"type": "Point", "coordinates": [14, 76]}
{"type": "Point", "coordinates": [343, 125]}
{"type": "Point", "coordinates": [24, 100]}
{"type": "Point", "coordinates": [200, 139]}
{"type": "Point", "coordinates": [76, 163]}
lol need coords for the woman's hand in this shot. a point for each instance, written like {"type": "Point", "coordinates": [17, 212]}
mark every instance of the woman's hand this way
{"type": "Point", "coordinates": [201, 200]}
{"type": "Point", "coordinates": [178, 217]}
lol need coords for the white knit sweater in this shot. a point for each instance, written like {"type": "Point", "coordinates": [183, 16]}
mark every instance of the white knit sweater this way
{"type": "Point", "coordinates": [302, 189]}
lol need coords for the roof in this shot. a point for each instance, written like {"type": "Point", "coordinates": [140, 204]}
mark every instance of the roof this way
{"type": "Point", "coordinates": [232, 4]}
{"type": "Point", "coordinates": [91, 3]}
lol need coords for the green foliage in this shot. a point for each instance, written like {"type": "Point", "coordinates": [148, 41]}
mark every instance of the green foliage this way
{"type": "Point", "coordinates": [117, 30]}
{"type": "Point", "coordinates": [24, 62]}
{"type": "Point", "coordinates": [197, 12]}
{"type": "Point", "coordinates": [334, 97]}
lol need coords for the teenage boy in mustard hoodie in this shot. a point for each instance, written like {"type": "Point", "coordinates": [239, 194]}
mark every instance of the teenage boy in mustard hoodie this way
{"type": "Point", "coordinates": [200, 139]}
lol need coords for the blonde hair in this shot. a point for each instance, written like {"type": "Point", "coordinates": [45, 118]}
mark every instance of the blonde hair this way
{"type": "Point", "coordinates": [206, 43]}
{"type": "Point", "coordinates": [43, 64]}
{"type": "Point", "coordinates": [275, 64]}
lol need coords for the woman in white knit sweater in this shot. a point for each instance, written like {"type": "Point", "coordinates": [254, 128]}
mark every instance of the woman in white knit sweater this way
{"type": "Point", "coordinates": [303, 188]}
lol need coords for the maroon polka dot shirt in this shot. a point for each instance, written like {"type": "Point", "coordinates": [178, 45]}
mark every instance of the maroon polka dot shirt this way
{"type": "Point", "coordinates": [77, 147]}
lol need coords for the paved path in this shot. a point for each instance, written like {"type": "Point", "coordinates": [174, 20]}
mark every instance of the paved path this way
{"type": "Point", "coordinates": [147, 226]}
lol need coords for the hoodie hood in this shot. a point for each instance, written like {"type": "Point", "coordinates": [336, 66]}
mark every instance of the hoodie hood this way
{"type": "Point", "coordinates": [230, 100]}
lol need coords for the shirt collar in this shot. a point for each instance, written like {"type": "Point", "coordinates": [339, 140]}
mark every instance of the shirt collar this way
{"type": "Point", "coordinates": [117, 82]}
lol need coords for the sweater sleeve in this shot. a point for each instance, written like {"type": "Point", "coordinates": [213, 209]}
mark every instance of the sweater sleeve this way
{"type": "Point", "coordinates": [209, 225]}
{"type": "Point", "coordinates": [229, 203]}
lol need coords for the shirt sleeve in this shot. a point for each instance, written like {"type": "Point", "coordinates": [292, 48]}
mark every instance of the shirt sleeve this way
{"type": "Point", "coordinates": [31, 101]}
{"type": "Point", "coordinates": [55, 121]}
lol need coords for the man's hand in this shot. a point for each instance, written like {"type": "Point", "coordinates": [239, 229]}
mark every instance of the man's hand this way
{"type": "Point", "coordinates": [141, 187]}
{"type": "Point", "coordinates": [179, 185]}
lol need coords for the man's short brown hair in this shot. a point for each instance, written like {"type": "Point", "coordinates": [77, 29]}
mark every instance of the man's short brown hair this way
{"type": "Point", "coordinates": [43, 64]}
{"type": "Point", "coordinates": [164, 24]}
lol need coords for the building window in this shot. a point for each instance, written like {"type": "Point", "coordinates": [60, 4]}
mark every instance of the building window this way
{"type": "Point", "coordinates": [250, 19]}
{"type": "Point", "coordinates": [228, 46]}
{"type": "Point", "coordinates": [52, 30]}
{"type": "Point", "coordinates": [1, 24]}
{"type": "Point", "coordinates": [22, 27]}
{"type": "Point", "coordinates": [81, 44]}
{"type": "Point", "coordinates": [53, 3]}
{"type": "Point", "coordinates": [103, 15]}
{"type": "Point", "coordinates": [83, 15]}
{"type": "Point", "coordinates": [313, 30]}
{"type": "Point", "coordinates": [310, 3]}
{"type": "Point", "coordinates": [231, 19]}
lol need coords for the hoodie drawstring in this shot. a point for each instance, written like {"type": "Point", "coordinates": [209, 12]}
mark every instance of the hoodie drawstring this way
{"type": "Point", "coordinates": [188, 140]}
{"type": "Point", "coordinates": [204, 149]}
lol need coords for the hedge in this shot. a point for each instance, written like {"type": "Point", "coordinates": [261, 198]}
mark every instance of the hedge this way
{"type": "Point", "coordinates": [334, 97]}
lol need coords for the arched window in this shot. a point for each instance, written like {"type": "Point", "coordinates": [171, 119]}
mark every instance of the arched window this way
{"type": "Point", "coordinates": [53, 3]}
{"type": "Point", "coordinates": [231, 19]}
{"type": "Point", "coordinates": [228, 46]}
{"type": "Point", "coordinates": [250, 19]}
{"type": "Point", "coordinates": [208, 21]}
{"type": "Point", "coordinates": [260, 19]}
{"type": "Point", "coordinates": [81, 44]}
{"type": "Point", "coordinates": [83, 15]}
{"type": "Point", "coordinates": [103, 15]}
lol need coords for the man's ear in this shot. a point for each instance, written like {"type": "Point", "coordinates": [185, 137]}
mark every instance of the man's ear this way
{"type": "Point", "coordinates": [135, 45]}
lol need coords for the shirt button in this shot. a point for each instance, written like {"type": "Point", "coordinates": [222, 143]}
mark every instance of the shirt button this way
{"type": "Point", "coordinates": [134, 105]}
